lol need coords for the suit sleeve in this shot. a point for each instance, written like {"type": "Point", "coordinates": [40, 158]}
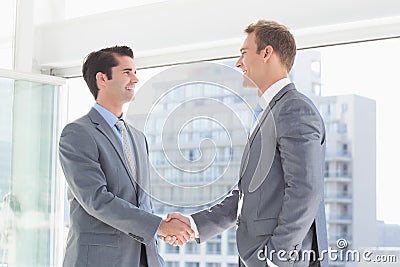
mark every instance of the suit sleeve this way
{"type": "Point", "coordinates": [79, 159]}
{"type": "Point", "coordinates": [218, 218]}
{"type": "Point", "coordinates": [301, 144]}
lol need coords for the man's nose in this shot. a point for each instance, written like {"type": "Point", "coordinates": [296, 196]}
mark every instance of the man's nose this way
{"type": "Point", "coordinates": [239, 63]}
{"type": "Point", "coordinates": [134, 78]}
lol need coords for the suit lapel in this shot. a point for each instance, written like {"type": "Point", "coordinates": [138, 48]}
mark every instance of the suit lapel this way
{"type": "Point", "coordinates": [265, 114]}
{"type": "Point", "coordinates": [105, 129]}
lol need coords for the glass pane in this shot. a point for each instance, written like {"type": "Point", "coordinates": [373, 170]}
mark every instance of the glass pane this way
{"type": "Point", "coordinates": [30, 213]}
{"type": "Point", "coordinates": [7, 22]}
{"type": "Point", "coordinates": [8, 205]}
{"type": "Point", "coordinates": [359, 96]}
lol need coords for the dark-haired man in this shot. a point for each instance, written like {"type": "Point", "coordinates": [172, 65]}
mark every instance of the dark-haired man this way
{"type": "Point", "coordinates": [105, 162]}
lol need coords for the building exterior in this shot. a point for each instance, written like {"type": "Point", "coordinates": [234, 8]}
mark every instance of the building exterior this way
{"type": "Point", "coordinates": [350, 194]}
{"type": "Point", "coordinates": [350, 160]}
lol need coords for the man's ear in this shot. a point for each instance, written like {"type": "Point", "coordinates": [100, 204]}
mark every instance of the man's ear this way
{"type": "Point", "coordinates": [100, 79]}
{"type": "Point", "coordinates": [267, 52]}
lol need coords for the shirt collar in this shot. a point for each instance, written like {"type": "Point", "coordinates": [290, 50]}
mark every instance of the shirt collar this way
{"type": "Point", "coordinates": [271, 92]}
{"type": "Point", "coordinates": [108, 116]}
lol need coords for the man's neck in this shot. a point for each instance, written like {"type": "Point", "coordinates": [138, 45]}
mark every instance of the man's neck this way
{"type": "Point", "coordinates": [113, 108]}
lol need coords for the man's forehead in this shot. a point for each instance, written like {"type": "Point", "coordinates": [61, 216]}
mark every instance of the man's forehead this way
{"type": "Point", "coordinates": [125, 61]}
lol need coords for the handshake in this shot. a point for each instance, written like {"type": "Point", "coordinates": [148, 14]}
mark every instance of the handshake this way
{"type": "Point", "coordinates": [175, 230]}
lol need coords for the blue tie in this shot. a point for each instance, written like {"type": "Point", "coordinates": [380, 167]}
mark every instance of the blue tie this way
{"type": "Point", "coordinates": [258, 109]}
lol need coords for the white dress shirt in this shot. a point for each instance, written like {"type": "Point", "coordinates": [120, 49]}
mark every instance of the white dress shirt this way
{"type": "Point", "coordinates": [271, 92]}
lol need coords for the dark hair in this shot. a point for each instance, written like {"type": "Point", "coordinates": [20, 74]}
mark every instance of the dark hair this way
{"type": "Point", "coordinates": [276, 35]}
{"type": "Point", "coordinates": [102, 61]}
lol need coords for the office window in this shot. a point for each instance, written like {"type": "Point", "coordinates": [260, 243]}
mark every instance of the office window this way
{"type": "Point", "coordinates": [213, 264]}
{"type": "Point", "coordinates": [333, 84]}
{"type": "Point", "coordinates": [192, 264]}
{"type": "Point", "coordinates": [31, 215]}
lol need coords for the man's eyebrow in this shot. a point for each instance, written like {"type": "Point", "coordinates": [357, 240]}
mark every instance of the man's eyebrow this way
{"type": "Point", "coordinates": [241, 49]}
{"type": "Point", "coordinates": [127, 69]}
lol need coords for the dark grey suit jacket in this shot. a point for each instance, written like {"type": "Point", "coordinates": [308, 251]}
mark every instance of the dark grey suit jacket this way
{"type": "Point", "coordinates": [107, 225]}
{"type": "Point", "coordinates": [281, 186]}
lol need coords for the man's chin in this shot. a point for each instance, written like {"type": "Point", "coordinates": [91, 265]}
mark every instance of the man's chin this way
{"type": "Point", "coordinates": [247, 83]}
{"type": "Point", "coordinates": [129, 99]}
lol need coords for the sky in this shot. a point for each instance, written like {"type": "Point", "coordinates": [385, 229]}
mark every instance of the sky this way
{"type": "Point", "coordinates": [370, 69]}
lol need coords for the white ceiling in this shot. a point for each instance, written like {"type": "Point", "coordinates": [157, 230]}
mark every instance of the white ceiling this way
{"type": "Point", "coordinates": [189, 30]}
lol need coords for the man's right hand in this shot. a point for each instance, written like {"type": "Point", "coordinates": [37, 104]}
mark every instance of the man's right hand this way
{"type": "Point", "coordinates": [177, 231]}
{"type": "Point", "coordinates": [173, 240]}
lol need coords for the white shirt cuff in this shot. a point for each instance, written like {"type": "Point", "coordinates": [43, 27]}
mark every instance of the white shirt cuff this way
{"type": "Point", "coordinates": [270, 263]}
{"type": "Point", "coordinates": [194, 227]}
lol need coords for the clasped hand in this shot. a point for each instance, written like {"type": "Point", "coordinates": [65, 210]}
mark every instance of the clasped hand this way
{"type": "Point", "coordinates": [175, 230]}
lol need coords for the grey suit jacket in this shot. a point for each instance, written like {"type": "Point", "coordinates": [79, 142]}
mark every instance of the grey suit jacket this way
{"type": "Point", "coordinates": [281, 187]}
{"type": "Point", "coordinates": [107, 225]}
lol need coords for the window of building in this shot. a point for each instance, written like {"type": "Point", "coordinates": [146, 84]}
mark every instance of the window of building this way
{"type": "Point", "coordinates": [192, 264]}
{"type": "Point", "coordinates": [171, 264]}
{"type": "Point", "coordinates": [192, 248]}
{"type": "Point", "coordinates": [316, 89]}
{"type": "Point", "coordinates": [316, 67]}
{"type": "Point", "coordinates": [191, 155]}
{"type": "Point", "coordinates": [345, 149]}
{"type": "Point", "coordinates": [344, 107]}
{"type": "Point", "coordinates": [326, 169]}
{"type": "Point", "coordinates": [232, 248]}
{"type": "Point", "coordinates": [344, 211]}
{"type": "Point", "coordinates": [213, 248]}
{"type": "Point", "coordinates": [342, 128]}
{"type": "Point", "coordinates": [345, 169]}
{"type": "Point", "coordinates": [345, 189]}
{"type": "Point", "coordinates": [213, 264]}
{"type": "Point", "coordinates": [171, 249]}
